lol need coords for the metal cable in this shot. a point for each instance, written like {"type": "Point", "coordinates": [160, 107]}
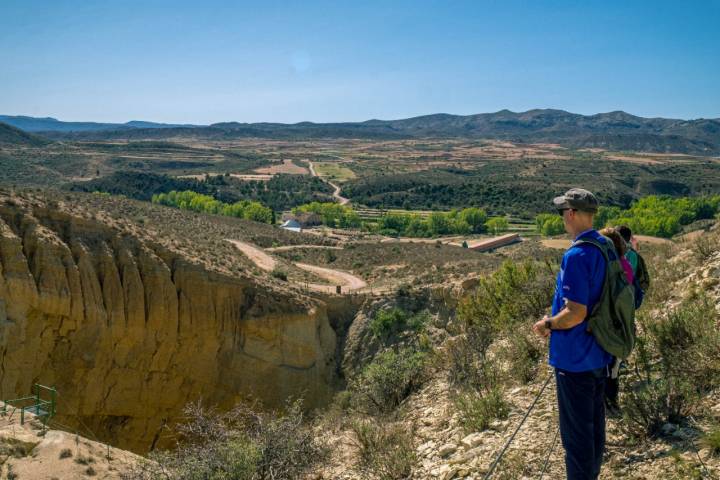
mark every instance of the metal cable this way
{"type": "Point", "coordinates": [552, 449]}
{"type": "Point", "coordinates": [512, 437]}
{"type": "Point", "coordinates": [697, 454]}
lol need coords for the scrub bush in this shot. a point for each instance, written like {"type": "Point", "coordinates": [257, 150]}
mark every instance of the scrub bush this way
{"type": "Point", "coordinates": [390, 378]}
{"type": "Point", "coordinates": [674, 366]}
{"type": "Point", "coordinates": [386, 450]}
{"type": "Point", "coordinates": [243, 444]}
{"type": "Point", "coordinates": [387, 323]}
{"type": "Point", "coordinates": [478, 410]}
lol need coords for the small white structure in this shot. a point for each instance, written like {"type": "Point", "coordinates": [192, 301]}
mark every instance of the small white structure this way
{"type": "Point", "coordinates": [291, 225]}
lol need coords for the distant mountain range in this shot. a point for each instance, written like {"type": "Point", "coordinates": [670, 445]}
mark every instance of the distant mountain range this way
{"type": "Point", "coordinates": [10, 135]}
{"type": "Point", "coordinates": [614, 130]}
{"type": "Point", "coordinates": [48, 124]}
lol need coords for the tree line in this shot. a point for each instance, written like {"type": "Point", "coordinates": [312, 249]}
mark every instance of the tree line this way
{"type": "Point", "coordinates": [454, 222]}
{"type": "Point", "coordinates": [189, 200]}
{"type": "Point", "coordinates": [654, 215]}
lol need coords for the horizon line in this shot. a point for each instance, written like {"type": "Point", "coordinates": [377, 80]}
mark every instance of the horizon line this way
{"type": "Point", "coordinates": [190, 124]}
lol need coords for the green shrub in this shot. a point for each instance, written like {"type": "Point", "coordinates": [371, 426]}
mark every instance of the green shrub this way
{"type": "Point", "coordinates": [513, 294]}
{"type": "Point", "coordinates": [711, 440]}
{"type": "Point", "coordinates": [513, 466]}
{"type": "Point", "coordinates": [387, 323]}
{"type": "Point", "coordinates": [469, 365]}
{"type": "Point", "coordinates": [524, 355]}
{"type": "Point", "coordinates": [386, 450]}
{"type": "Point", "coordinates": [705, 247]}
{"type": "Point", "coordinates": [478, 410]}
{"type": "Point", "coordinates": [497, 225]}
{"type": "Point", "coordinates": [84, 460]}
{"type": "Point", "coordinates": [549, 224]}
{"type": "Point", "coordinates": [389, 379]}
{"type": "Point", "coordinates": [243, 444]}
{"type": "Point", "coordinates": [279, 274]}
{"type": "Point", "coordinates": [674, 365]}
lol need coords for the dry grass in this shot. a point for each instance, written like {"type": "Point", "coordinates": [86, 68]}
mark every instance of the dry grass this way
{"type": "Point", "coordinates": [286, 167]}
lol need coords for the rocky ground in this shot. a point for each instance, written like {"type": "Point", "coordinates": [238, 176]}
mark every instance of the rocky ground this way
{"type": "Point", "coordinates": [446, 451]}
{"type": "Point", "coordinates": [29, 451]}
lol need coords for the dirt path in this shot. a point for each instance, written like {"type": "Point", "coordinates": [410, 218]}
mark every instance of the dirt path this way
{"type": "Point", "coordinates": [564, 243]}
{"type": "Point", "coordinates": [258, 256]}
{"type": "Point", "coordinates": [285, 248]}
{"type": "Point", "coordinates": [347, 281]}
{"type": "Point", "coordinates": [58, 453]}
{"type": "Point", "coordinates": [336, 194]}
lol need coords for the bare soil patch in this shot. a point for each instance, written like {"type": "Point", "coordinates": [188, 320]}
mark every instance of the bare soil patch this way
{"type": "Point", "coordinates": [286, 167]}
{"type": "Point", "coordinates": [633, 159]}
{"type": "Point", "coordinates": [653, 240]}
{"type": "Point", "coordinates": [346, 280]}
{"type": "Point", "coordinates": [256, 255]}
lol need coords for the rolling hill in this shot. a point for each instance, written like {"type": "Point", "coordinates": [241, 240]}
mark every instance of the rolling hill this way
{"type": "Point", "coordinates": [49, 124]}
{"type": "Point", "coordinates": [10, 135]}
{"type": "Point", "coordinates": [614, 130]}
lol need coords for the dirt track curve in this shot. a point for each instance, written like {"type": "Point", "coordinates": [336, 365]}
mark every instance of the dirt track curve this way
{"type": "Point", "coordinates": [336, 194]}
{"type": "Point", "coordinates": [347, 281]}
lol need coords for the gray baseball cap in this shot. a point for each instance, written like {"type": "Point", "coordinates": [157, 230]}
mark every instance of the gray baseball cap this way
{"type": "Point", "coordinates": [578, 199]}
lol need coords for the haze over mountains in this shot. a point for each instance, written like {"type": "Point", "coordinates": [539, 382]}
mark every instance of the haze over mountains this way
{"type": "Point", "coordinates": [49, 124]}
{"type": "Point", "coordinates": [10, 135]}
{"type": "Point", "coordinates": [614, 130]}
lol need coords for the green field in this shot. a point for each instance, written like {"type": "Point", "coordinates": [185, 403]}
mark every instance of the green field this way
{"type": "Point", "coordinates": [334, 171]}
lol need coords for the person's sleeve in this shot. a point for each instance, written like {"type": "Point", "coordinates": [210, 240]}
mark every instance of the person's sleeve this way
{"type": "Point", "coordinates": [632, 258]}
{"type": "Point", "coordinates": [576, 277]}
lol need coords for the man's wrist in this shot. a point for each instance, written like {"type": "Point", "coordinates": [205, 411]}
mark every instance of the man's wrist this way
{"type": "Point", "coordinates": [548, 324]}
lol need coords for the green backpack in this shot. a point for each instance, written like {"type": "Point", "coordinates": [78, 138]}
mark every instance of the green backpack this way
{"type": "Point", "coordinates": [641, 272]}
{"type": "Point", "coordinates": [612, 319]}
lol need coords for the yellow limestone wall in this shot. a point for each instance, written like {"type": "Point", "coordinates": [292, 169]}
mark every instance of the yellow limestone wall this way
{"type": "Point", "coordinates": [129, 335]}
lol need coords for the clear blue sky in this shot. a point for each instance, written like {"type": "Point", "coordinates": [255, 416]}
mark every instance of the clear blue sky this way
{"type": "Point", "coordinates": [209, 61]}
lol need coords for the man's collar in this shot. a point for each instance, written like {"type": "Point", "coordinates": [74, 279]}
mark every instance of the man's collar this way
{"type": "Point", "coordinates": [583, 233]}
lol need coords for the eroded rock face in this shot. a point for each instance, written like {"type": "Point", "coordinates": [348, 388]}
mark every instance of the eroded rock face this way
{"type": "Point", "coordinates": [129, 333]}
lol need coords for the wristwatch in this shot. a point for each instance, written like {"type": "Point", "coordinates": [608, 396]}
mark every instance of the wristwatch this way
{"type": "Point", "coordinates": [548, 324]}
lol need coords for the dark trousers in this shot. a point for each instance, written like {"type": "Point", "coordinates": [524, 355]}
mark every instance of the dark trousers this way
{"type": "Point", "coordinates": [612, 388]}
{"type": "Point", "coordinates": [582, 421]}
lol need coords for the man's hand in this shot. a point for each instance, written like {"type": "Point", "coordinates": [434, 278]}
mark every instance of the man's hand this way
{"type": "Point", "coordinates": [539, 328]}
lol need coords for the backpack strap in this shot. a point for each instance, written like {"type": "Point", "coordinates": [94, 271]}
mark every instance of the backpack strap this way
{"type": "Point", "coordinates": [605, 249]}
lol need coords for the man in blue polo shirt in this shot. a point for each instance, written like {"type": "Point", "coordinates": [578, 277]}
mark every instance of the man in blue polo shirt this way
{"type": "Point", "coordinates": [580, 363]}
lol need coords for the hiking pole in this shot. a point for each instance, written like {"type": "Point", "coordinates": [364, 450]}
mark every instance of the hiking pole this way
{"type": "Point", "coordinates": [552, 449]}
{"type": "Point", "coordinates": [512, 437]}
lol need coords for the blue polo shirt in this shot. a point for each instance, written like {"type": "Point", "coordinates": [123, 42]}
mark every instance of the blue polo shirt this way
{"type": "Point", "coordinates": [581, 277]}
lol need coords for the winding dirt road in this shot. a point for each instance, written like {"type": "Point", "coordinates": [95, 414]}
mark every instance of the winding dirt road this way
{"type": "Point", "coordinates": [256, 255]}
{"type": "Point", "coordinates": [336, 194]}
{"type": "Point", "coordinates": [347, 281]}
{"type": "Point", "coordinates": [285, 248]}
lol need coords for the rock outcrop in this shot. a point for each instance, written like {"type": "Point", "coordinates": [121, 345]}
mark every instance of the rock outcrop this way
{"type": "Point", "coordinates": [130, 332]}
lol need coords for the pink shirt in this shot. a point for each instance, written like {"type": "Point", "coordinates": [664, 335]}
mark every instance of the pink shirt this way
{"type": "Point", "coordinates": [628, 269]}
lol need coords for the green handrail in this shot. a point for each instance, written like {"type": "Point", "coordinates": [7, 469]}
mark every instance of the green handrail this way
{"type": "Point", "coordinates": [37, 403]}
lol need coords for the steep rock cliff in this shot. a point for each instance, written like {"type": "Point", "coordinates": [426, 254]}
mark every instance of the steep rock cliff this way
{"type": "Point", "coordinates": [130, 332]}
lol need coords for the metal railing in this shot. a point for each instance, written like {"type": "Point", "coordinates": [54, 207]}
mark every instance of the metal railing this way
{"type": "Point", "coordinates": [42, 408]}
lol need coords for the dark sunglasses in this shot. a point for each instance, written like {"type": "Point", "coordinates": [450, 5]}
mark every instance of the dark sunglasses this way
{"type": "Point", "coordinates": [562, 210]}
